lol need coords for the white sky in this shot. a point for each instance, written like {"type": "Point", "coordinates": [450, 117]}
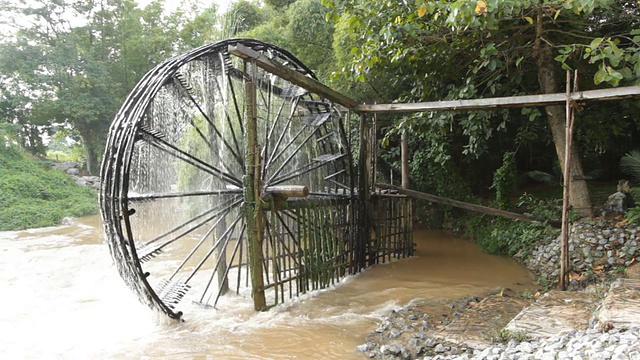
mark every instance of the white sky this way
{"type": "Point", "coordinates": [172, 4]}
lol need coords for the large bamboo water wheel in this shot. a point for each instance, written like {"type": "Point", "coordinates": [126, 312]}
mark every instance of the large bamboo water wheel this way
{"type": "Point", "coordinates": [218, 175]}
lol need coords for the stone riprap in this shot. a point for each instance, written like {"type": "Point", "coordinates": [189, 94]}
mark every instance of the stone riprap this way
{"type": "Point", "coordinates": [610, 331]}
{"type": "Point", "coordinates": [590, 344]}
{"type": "Point", "coordinates": [71, 168]}
{"type": "Point", "coordinates": [596, 246]}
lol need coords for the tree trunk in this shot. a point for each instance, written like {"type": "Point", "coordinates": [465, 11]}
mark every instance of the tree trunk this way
{"type": "Point", "coordinates": [89, 152]}
{"type": "Point", "coordinates": [579, 197]}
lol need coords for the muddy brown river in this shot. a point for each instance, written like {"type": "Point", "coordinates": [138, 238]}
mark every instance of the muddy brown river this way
{"type": "Point", "coordinates": [62, 298]}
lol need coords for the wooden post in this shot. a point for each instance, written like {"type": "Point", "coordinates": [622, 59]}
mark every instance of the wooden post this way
{"type": "Point", "coordinates": [252, 185]}
{"type": "Point", "coordinates": [363, 197]}
{"type": "Point", "coordinates": [564, 249]}
{"type": "Point", "coordinates": [404, 158]}
{"type": "Point", "coordinates": [407, 221]}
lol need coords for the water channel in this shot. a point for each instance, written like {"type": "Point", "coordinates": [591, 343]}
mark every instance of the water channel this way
{"type": "Point", "coordinates": [62, 298]}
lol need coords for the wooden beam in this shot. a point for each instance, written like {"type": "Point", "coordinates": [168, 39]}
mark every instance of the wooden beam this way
{"type": "Point", "coordinates": [504, 102]}
{"type": "Point", "coordinates": [459, 204]}
{"type": "Point", "coordinates": [291, 75]}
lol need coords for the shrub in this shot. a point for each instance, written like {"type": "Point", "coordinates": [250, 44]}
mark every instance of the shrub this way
{"type": "Point", "coordinates": [508, 237]}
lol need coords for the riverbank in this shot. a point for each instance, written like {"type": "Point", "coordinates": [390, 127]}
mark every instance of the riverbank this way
{"type": "Point", "coordinates": [556, 325]}
{"type": "Point", "coordinates": [33, 194]}
{"type": "Point", "coordinates": [598, 319]}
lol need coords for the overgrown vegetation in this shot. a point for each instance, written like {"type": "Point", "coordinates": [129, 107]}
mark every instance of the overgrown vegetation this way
{"type": "Point", "coordinates": [499, 235]}
{"type": "Point", "coordinates": [34, 196]}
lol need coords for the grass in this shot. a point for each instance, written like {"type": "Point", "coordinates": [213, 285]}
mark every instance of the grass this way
{"type": "Point", "coordinates": [32, 195]}
{"type": "Point", "coordinates": [504, 336]}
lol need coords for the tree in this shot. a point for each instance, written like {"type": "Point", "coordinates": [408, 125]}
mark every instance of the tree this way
{"type": "Point", "coordinates": [59, 71]}
{"type": "Point", "coordinates": [279, 3]}
{"type": "Point", "coordinates": [304, 31]}
{"type": "Point", "coordinates": [457, 49]}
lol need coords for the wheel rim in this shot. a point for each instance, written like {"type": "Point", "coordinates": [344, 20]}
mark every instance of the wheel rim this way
{"type": "Point", "coordinates": [173, 199]}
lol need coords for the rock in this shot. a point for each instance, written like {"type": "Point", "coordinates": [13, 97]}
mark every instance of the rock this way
{"type": "Point", "coordinates": [431, 342]}
{"type": "Point", "coordinates": [393, 349]}
{"type": "Point", "coordinates": [81, 182]}
{"type": "Point", "coordinates": [615, 205]}
{"type": "Point", "coordinates": [73, 171]}
{"type": "Point", "coordinates": [67, 221]}
{"type": "Point", "coordinates": [525, 347]}
{"type": "Point", "coordinates": [362, 348]}
{"type": "Point", "coordinates": [64, 166]}
{"type": "Point", "coordinates": [439, 349]}
{"type": "Point", "coordinates": [633, 271]}
{"type": "Point", "coordinates": [91, 179]}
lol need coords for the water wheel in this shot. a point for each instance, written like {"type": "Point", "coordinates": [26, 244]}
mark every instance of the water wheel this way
{"type": "Point", "coordinates": [221, 177]}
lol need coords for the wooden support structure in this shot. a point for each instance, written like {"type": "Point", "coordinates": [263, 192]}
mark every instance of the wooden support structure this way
{"type": "Point", "coordinates": [504, 102]}
{"type": "Point", "coordinates": [364, 252]}
{"type": "Point", "coordinates": [253, 213]}
{"type": "Point", "coordinates": [457, 203]}
{"type": "Point", "coordinates": [291, 75]}
{"type": "Point", "coordinates": [288, 191]}
{"type": "Point", "coordinates": [363, 196]}
{"type": "Point", "coordinates": [564, 233]}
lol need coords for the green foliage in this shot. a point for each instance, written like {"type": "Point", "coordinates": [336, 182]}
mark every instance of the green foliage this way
{"type": "Point", "coordinates": [504, 336]}
{"type": "Point", "coordinates": [630, 164]}
{"type": "Point", "coordinates": [509, 237]}
{"type": "Point", "coordinates": [505, 181]}
{"type": "Point", "coordinates": [279, 3]}
{"type": "Point", "coordinates": [441, 50]}
{"type": "Point", "coordinates": [64, 146]}
{"type": "Point", "coordinates": [303, 30]}
{"type": "Point", "coordinates": [32, 196]}
{"type": "Point", "coordinates": [53, 71]}
{"type": "Point", "coordinates": [633, 215]}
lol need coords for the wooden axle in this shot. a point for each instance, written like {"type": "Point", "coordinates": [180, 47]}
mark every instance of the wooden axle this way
{"type": "Point", "coordinates": [288, 191]}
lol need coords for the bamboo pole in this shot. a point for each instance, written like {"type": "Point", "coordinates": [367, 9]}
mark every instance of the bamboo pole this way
{"type": "Point", "coordinates": [363, 198]}
{"type": "Point", "coordinates": [252, 195]}
{"type": "Point", "coordinates": [564, 249]}
{"type": "Point", "coordinates": [457, 203]}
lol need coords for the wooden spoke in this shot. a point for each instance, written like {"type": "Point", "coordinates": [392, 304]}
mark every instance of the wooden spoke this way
{"type": "Point", "coordinates": [224, 237]}
{"type": "Point", "coordinates": [147, 197]}
{"type": "Point", "coordinates": [202, 240]}
{"type": "Point", "coordinates": [187, 91]}
{"type": "Point", "coordinates": [294, 153]}
{"type": "Point", "coordinates": [150, 252]}
{"type": "Point", "coordinates": [188, 158]}
{"type": "Point", "coordinates": [219, 208]}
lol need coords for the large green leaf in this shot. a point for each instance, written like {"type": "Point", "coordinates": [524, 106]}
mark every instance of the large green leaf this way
{"type": "Point", "coordinates": [630, 164]}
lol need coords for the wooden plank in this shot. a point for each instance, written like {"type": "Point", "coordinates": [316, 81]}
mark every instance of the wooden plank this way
{"type": "Point", "coordinates": [291, 75]}
{"type": "Point", "coordinates": [504, 102]}
{"type": "Point", "coordinates": [457, 203]}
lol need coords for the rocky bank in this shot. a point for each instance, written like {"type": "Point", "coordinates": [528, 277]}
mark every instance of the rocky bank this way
{"type": "Point", "coordinates": [575, 323]}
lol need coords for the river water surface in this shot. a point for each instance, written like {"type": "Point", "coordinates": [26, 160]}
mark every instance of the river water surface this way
{"type": "Point", "coordinates": [62, 298]}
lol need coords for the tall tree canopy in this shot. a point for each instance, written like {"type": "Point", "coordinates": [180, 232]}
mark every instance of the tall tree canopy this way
{"type": "Point", "coordinates": [73, 63]}
{"type": "Point", "coordinates": [468, 49]}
